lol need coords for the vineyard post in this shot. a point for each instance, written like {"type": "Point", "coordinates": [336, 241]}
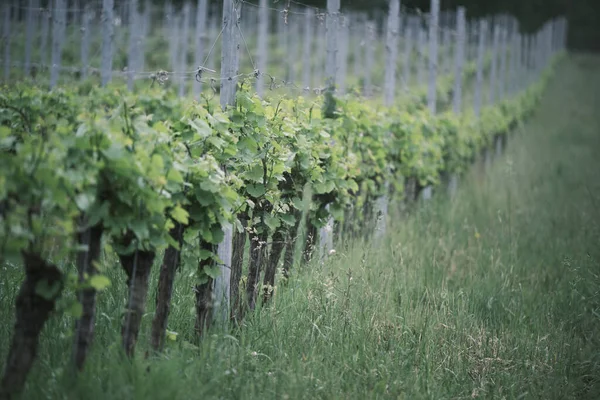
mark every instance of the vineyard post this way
{"type": "Point", "coordinates": [494, 66]}
{"type": "Point", "coordinates": [200, 33]}
{"type": "Point", "coordinates": [45, 16]}
{"type": "Point", "coordinates": [169, 27]}
{"type": "Point", "coordinates": [307, 49]}
{"type": "Point", "coordinates": [343, 41]}
{"type": "Point", "coordinates": [133, 41]}
{"type": "Point", "coordinates": [512, 60]}
{"type": "Point", "coordinates": [358, 44]}
{"type": "Point", "coordinates": [459, 60]}
{"type": "Point", "coordinates": [534, 55]}
{"type": "Point", "coordinates": [213, 34]}
{"type": "Point", "coordinates": [229, 81]}
{"type": "Point", "coordinates": [281, 29]}
{"type": "Point", "coordinates": [433, 67]}
{"type": "Point", "coordinates": [369, 57]}
{"type": "Point", "coordinates": [58, 37]}
{"type": "Point", "coordinates": [6, 39]}
{"type": "Point", "coordinates": [518, 60]}
{"type": "Point", "coordinates": [85, 41]}
{"type": "Point", "coordinates": [504, 46]}
{"type": "Point", "coordinates": [317, 60]}
{"type": "Point", "coordinates": [479, 76]}
{"type": "Point", "coordinates": [549, 35]}
{"type": "Point", "coordinates": [331, 70]}
{"type": "Point", "coordinates": [263, 37]}
{"type": "Point", "coordinates": [422, 60]}
{"type": "Point", "coordinates": [446, 48]}
{"type": "Point", "coordinates": [331, 32]}
{"type": "Point", "coordinates": [408, 47]}
{"type": "Point", "coordinates": [175, 38]}
{"type": "Point", "coordinates": [391, 53]}
{"type": "Point", "coordinates": [146, 25]}
{"type": "Point", "coordinates": [532, 58]}
{"type": "Point", "coordinates": [107, 41]}
{"type": "Point", "coordinates": [564, 33]}
{"type": "Point", "coordinates": [183, 48]}
{"type": "Point", "coordinates": [32, 6]}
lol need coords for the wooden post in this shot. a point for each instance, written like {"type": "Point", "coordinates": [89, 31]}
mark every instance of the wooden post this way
{"type": "Point", "coordinates": [494, 66]}
{"type": "Point", "coordinates": [184, 41]}
{"type": "Point", "coordinates": [504, 46]}
{"type": "Point", "coordinates": [85, 41]}
{"type": "Point", "coordinates": [199, 39]}
{"type": "Point", "coordinates": [459, 60]}
{"type": "Point", "coordinates": [263, 39]}
{"type": "Point", "coordinates": [370, 57]}
{"type": "Point", "coordinates": [480, 58]}
{"type": "Point", "coordinates": [433, 55]}
{"type": "Point", "coordinates": [422, 61]}
{"type": "Point", "coordinates": [331, 26]}
{"type": "Point", "coordinates": [307, 49]}
{"type": "Point", "coordinates": [391, 51]}
{"type": "Point", "coordinates": [45, 33]}
{"type": "Point", "coordinates": [321, 53]}
{"type": "Point", "coordinates": [107, 41]}
{"type": "Point", "coordinates": [342, 62]}
{"type": "Point", "coordinates": [408, 47]}
{"type": "Point", "coordinates": [133, 42]}
{"type": "Point", "coordinates": [146, 28]}
{"type": "Point", "coordinates": [6, 39]}
{"type": "Point", "coordinates": [229, 70]}
{"type": "Point", "coordinates": [58, 37]}
{"type": "Point", "coordinates": [32, 6]}
{"type": "Point", "coordinates": [331, 69]}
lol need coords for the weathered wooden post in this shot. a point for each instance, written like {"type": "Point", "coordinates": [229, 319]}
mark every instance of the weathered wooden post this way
{"type": "Point", "coordinates": [107, 41]}
{"type": "Point", "coordinates": [433, 60]}
{"type": "Point", "coordinates": [58, 38]}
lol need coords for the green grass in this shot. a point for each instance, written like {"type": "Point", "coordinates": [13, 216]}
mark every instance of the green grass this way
{"type": "Point", "coordinates": [494, 294]}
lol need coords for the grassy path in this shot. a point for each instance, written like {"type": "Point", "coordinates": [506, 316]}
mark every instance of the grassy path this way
{"type": "Point", "coordinates": [495, 294]}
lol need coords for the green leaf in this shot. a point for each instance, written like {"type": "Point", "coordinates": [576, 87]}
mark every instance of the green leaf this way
{"type": "Point", "coordinates": [217, 234]}
{"type": "Point", "coordinates": [171, 335]}
{"type": "Point", "coordinates": [256, 190]}
{"type": "Point", "coordinates": [180, 215]}
{"type": "Point", "coordinates": [288, 219]}
{"type": "Point", "coordinates": [75, 310]}
{"type": "Point", "coordinates": [48, 291]}
{"type": "Point", "coordinates": [272, 222]}
{"type": "Point", "coordinates": [83, 201]}
{"type": "Point", "coordinates": [255, 173]}
{"type": "Point", "coordinates": [99, 282]}
{"type": "Point", "coordinates": [175, 176]}
{"type": "Point", "coordinates": [204, 254]}
{"type": "Point", "coordinates": [212, 270]}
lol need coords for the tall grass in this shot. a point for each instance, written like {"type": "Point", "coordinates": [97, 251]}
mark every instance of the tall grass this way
{"type": "Point", "coordinates": [493, 294]}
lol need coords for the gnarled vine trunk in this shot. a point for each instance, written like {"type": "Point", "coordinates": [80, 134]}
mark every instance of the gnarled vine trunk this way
{"type": "Point", "coordinates": [290, 246]}
{"type": "Point", "coordinates": [166, 278]}
{"type": "Point", "coordinates": [311, 240]}
{"type": "Point", "coordinates": [86, 266]}
{"type": "Point", "coordinates": [237, 263]}
{"type": "Point", "coordinates": [204, 296]}
{"type": "Point", "coordinates": [33, 308]}
{"type": "Point", "coordinates": [137, 266]}
{"type": "Point", "coordinates": [257, 255]}
{"type": "Point", "coordinates": [277, 246]}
